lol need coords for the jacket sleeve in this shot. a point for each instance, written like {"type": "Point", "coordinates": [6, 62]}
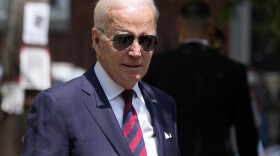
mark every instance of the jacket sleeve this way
{"type": "Point", "coordinates": [46, 133]}
{"type": "Point", "coordinates": [245, 127]}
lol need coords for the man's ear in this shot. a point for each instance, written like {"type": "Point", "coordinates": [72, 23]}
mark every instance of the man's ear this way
{"type": "Point", "coordinates": [95, 38]}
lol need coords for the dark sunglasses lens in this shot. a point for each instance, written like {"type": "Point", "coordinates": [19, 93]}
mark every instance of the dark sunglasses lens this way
{"type": "Point", "coordinates": [148, 42]}
{"type": "Point", "coordinates": [122, 41]}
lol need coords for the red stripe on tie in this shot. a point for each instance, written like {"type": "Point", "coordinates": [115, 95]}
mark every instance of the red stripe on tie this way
{"type": "Point", "coordinates": [129, 125]}
{"type": "Point", "coordinates": [143, 152]}
{"type": "Point", "coordinates": [134, 143]}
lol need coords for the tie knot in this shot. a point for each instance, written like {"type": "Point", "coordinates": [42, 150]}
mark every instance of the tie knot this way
{"type": "Point", "coordinates": [127, 95]}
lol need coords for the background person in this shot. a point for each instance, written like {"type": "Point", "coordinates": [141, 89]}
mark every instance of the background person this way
{"type": "Point", "coordinates": [210, 90]}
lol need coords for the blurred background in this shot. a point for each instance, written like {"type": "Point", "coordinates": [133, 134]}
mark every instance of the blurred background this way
{"type": "Point", "coordinates": [46, 42]}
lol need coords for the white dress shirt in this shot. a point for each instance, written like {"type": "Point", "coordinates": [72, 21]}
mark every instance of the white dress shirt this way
{"type": "Point", "coordinates": [113, 91]}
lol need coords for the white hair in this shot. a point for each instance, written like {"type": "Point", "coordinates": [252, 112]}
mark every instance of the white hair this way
{"type": "Point", "coordinates": [102, 8]}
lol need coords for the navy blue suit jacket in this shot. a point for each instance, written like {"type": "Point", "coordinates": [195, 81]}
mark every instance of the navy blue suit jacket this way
{"type": "Point", "coordinates": [75, 118]}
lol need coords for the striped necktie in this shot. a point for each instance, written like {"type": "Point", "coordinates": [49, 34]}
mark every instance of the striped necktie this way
{"type": "Point", "coordinates": [131, 127]}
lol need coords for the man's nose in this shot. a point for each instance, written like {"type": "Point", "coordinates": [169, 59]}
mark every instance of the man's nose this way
{"type": "Point", "coordinates": [135, 48]}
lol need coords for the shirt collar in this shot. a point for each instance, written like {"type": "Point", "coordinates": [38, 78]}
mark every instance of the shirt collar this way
{"type": "Point", "coordinates": [197, 40]}
{"type": "Point", "coordinates": [110, 87]}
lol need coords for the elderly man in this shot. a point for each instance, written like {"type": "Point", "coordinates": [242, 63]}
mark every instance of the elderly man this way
{"type": "Point", "coordinates": [108, 111]}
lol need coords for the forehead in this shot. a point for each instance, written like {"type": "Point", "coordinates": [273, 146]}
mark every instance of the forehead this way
{"type": "Point", "coordinates": [128, 15]}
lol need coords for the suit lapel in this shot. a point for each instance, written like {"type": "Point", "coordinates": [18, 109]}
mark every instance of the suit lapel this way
{"type": "Point", "coordinates": [100, 108]}
{"type": "Point", "coordinates": [157, 119]}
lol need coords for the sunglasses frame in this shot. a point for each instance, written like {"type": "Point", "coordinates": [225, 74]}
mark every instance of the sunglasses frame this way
{"type": "Point", "coordinates": [139, 38]}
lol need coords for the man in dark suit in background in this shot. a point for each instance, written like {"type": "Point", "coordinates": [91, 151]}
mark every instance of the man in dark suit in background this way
{"type": "Point", "coordinates": [91, 115]}
{"type": "Point", "coordinates": [210, 90]}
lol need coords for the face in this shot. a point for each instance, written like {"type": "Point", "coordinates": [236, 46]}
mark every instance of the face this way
{"type": "Point", "coordinates": [126, 67]}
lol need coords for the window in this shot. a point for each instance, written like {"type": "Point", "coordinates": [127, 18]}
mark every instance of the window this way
{"type": "Point", "coordinates": [60, 15]}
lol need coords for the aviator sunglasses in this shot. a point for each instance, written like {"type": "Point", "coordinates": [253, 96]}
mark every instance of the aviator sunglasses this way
{"type": "Point", "coordinates": [122, 41]}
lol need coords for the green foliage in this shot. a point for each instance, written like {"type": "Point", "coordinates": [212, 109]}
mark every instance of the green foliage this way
{"type": "Point", "coordinates": [227, 11]}
{"type": "Point", "coordinates": [270, 25]}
